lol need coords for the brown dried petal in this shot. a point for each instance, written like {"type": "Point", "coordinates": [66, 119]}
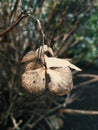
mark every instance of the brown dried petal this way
{"type": "Point", "coordinates": [57, 62]}
{"type": "Point", "coordinates": [33, 65]}
{"type": "Point", "coordinates": [34, 81]}
{"type": "Point", "coordinates": [60, 80]}
{"type": "Point", "coordinates": [43, 50]}
{"type": "Point", "coordinates": [30, 56]}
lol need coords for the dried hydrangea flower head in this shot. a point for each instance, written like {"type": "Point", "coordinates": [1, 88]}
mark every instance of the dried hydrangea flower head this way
{"type": "Point", "coordinates": [47, 72]}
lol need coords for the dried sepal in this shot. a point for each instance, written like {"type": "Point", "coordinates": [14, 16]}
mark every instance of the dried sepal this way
{"type": "Point", "coordinates": [34, 65]}
{"type": "Point", "coordinates": [60, 81]}
{"type": "Point", "coordinates": [30, 56]}
{"type": "Point", "coordinates": [57, 62]}
{"type": "Point", "coordinates": [34, 81]}
{"type": "Point", "coordinates": [44, 50]}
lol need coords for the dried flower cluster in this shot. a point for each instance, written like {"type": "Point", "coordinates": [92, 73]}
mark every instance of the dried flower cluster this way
{"type": "Point", "coordinates": [43, 72]}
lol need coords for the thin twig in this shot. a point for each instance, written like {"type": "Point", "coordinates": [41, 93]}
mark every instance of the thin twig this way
{"type": "Point", "coordinates": [42, 32]}
{"type": "Point", "coordinates": [88, 75]}
{"type": "Point", "coordinates": [8, 113]}
{"type": "Point", "coordinates": [16, 22]}
{"type": "Point", "coordinates": [16, 124]}
{"type": "Point", "coordinates": [41, 50]}
{"type": "Point", "coordinates": [86, 82]}
{"type": "Point", "coordinates": [79, 112]}
{"type": "Point", "coordinates": [14, 8]}
{"type": "Point", "coordinates": [94, 79]}
{"type": "Point", "coordinates": [61, 47]}
{"type": "Point", "coordinates": [63, 105]}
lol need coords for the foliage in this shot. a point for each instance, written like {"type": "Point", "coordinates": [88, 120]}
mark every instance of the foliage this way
{"type": "Point", "coordinates": [87, 37]}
